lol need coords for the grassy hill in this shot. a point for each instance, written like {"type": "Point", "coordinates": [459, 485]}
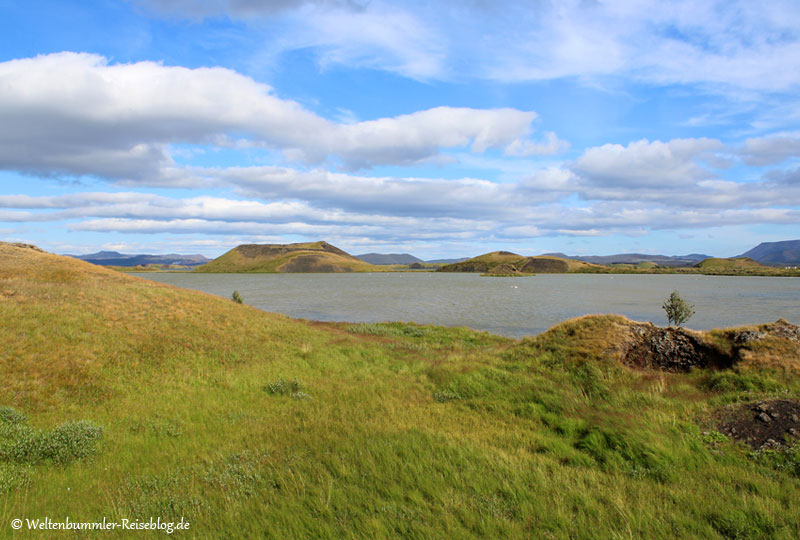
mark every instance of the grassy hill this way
{"type": "Point", "coordinates": [728, 264]}
{"type": "Point", "coordinates": [734, 265]}
{"type": "Point", "coordinates": [527, 265]}
{"type": "Point", "coordinates": [289, 258]}
{"type": "Point", "coordinates": [124, 398]}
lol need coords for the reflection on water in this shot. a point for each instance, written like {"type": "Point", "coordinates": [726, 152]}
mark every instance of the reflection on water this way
{"type": "Point", "coordinates": [509, 306]}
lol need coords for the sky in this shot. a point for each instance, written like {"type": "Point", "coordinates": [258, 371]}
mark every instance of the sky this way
{"type": "Point", "coordinates": [442, 129]}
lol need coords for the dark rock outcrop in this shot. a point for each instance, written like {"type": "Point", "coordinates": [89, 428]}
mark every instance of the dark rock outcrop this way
{"type": "Point", "coordinates": [672, 349]}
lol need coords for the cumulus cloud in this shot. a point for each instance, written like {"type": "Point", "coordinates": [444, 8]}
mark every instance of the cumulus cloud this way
{"type": "Point", "coordinates": [77, 114]}
{"type": "Point", "coordinates": [770, 150]}
{"type": "Point", "coordinates": [645, 164]}
{"type": "Point", "coordinates": [278, 202]}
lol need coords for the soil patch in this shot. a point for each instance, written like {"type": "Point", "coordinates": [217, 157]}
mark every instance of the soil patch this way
{"type": "Point", "coordinates": [762, 424]}
{"type": "Point", "coordinates": [672, 349]}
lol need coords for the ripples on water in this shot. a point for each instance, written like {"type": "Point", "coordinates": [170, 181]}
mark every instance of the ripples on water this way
{"type": "Point", "coordinates": [510, 306]}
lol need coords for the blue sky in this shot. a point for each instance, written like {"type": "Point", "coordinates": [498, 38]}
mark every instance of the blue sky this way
{"type": "Point", "coordinates": [442, 129]}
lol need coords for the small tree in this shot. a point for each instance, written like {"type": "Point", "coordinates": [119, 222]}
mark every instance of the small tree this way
{"type": "Point", "coordinates": [236, 297]}
{"type": "Point", "coordinates": [678, 310]}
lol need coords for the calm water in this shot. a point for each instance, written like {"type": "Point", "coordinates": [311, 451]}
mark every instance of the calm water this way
{"type": "Point", "coordinates": [509, 306]}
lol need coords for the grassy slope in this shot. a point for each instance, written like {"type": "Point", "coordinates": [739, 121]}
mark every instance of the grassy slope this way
{"type": "Point", "coordinates": [235, 261]}
{"type": "Point", "coordinates": [733, 263]}
{"type": "Point", "coordinates": [394, 430]}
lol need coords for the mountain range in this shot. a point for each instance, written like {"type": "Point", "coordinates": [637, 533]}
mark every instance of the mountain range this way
{"type": "Point", "coordinates": [770, 253]}
{"type": "Point", "coordinates": [114, 258]}
{"type": "Point", "coordinates": [636, 258]}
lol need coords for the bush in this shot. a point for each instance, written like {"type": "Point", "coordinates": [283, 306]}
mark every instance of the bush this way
{"type": "Point", "coordinates": [236, 297]}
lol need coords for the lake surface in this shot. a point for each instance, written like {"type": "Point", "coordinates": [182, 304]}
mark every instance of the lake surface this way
{"type": "Point", "coordinates": [509, 306]}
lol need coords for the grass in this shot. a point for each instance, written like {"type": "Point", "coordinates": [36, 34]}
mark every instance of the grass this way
{"type": "Point", "coordinates": [254, 425]}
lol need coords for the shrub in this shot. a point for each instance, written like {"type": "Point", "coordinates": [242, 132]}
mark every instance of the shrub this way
{"type": "Point", "coordinates": [445, 396]}
{"type": "Point", "coordinates": [64, 444]}
{"type": "Point", "coordinates": [13, 476]}
{"type": "Point", "coordinates": [236, 297]}
{"type": "Point", "coordinates": [12, 416]}
{"type": "Point", "coordinates": [678, 310]}
{"type": "Point", "coordinates": [282, 387]}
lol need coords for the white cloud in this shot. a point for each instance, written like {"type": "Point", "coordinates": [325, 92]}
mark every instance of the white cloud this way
{"type": "Point", "coordinates": [645, 164]}
{"type": "Point", "coordinates": [238, 8]}
{"type": "Point", "coordinates": [487, 219]}
{"type": "Point", "coordinates": [77, 114]}
{"type": "Point", "coordinates": [552, 145]}
{"type": "Point", "coordinates": [464, 197]}
{"type": "Point", "coordinates": [381, 36]}
{"type": "Point", "coordinates": [770, 150]}
{"type": "Point", "coordinates": [722, 45]}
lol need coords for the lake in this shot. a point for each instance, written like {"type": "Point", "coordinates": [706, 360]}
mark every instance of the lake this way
{"type": "Point", "coordinates": [512, 307]}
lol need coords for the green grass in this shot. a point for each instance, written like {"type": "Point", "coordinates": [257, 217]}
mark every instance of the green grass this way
{"type": "Point", "coordinates": [254, 425]}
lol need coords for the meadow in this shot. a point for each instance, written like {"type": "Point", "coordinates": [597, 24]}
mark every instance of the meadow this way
{"type": "Point", "coordinates": [125, 398]}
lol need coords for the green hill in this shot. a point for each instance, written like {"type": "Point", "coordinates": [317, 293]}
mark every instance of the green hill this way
{"type": "Point", "coordinates": [733, 266]}
{"type": "Point", "coordinates": [730, 263]}
{"type": "Point", "coordinates": [287, 258]}
{"type": "Point", "coordinates": [123, 398]}
{"type": "Point", "coordinates": [542, 264]}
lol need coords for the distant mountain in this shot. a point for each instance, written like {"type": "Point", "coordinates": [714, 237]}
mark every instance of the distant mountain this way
{"type": "Point", "coordinates": [388, 258]}
{"type": "Point", "coordinates": [785, 252]}
{"type": "Point", "coordinates": [307, 257]}
{"type": "Point", "coordinates": [636, 258]}
{"type": "Point", "coordinates": [101, 255]}
{"type": "Point", "coordinates": [447, 261]}
{"type": "Point", "coordinates": [113, 258]}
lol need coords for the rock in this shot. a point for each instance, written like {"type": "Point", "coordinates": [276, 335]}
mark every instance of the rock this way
{"type": "Point", "coordinates": [672, 349]}
{"type": "Point", "coordinates": [764, 417]}
{"type": "Point", "coordinates": [796, 419]}
{"type": "Point", "coordinates": [746, 336]}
